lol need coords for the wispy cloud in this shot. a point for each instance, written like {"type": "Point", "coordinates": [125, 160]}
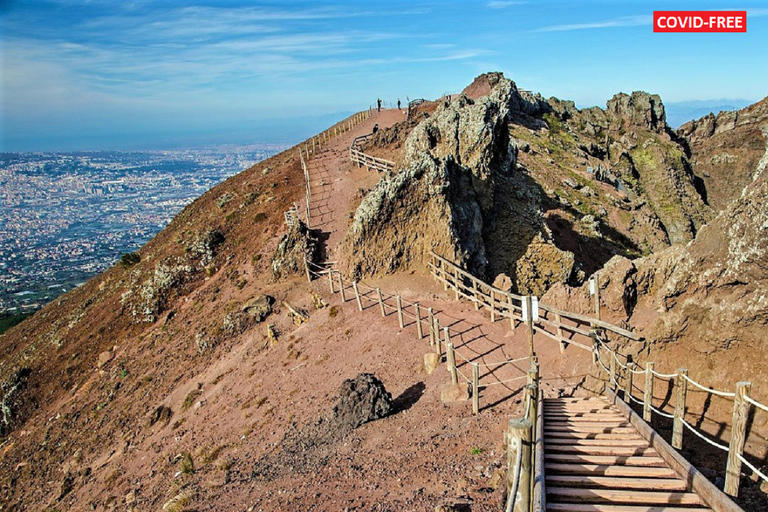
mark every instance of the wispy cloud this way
{"type": "Point", "coordinates": [503, 4]}
{"type": "Point", "coordinates": [623, 21]}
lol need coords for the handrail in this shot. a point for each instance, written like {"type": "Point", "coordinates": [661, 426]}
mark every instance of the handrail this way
{"type": "Point", "coordinates": [447, 270]}
{"type": "Point", "coordinates": [742, 403]}
{"type": "Point", "coordinates": [357, 155]}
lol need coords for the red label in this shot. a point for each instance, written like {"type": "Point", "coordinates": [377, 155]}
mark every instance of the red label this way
{"type": "Point", "coordinates": [699, 21]}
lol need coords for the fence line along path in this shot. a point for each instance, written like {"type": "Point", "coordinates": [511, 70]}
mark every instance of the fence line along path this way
{"type": "Point", "coordinates": [357, 155]}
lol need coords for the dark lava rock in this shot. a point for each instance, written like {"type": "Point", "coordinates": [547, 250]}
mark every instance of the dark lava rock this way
{"type": "Point", "coordinates": [361, 400]}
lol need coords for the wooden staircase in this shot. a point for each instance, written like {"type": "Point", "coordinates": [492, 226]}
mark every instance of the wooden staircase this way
{"type": "Point", "coordinates": [596, 461]}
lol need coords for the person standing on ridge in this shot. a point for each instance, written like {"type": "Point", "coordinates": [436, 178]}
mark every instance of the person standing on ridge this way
{"type": "Point", "coordinates": [378, 101]}
{"type": "Point", "coordinates": [398, 103]}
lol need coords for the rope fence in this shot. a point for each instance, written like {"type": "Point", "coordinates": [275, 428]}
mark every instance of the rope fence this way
{"type": "Point", "coordinates": [742, 408]}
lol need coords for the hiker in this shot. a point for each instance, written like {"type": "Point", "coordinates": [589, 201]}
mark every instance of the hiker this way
{"type": "Point", "coordinates": [375, 128]}
{"type": "Point", "coordinates": [398, 103]}
{"type": "Point", "coordinates": [378, 101]}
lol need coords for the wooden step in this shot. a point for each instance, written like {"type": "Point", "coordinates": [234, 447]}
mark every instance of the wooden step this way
{"type": "Point", "coordinates": [625, 451]}
{"type": "Point", "coordinates": [571, 495]}
{"type": "Point", "coordinates": [608, 470]}
{"type": "Point", "coordinates": [589, 507]}
{"type": "Point", "coordinates": [588, 429]}
{"type": "Point", "coordinates": [595, 442]}
{"type": "Point", "coordinates": [575, 399]}
{"type": "Point", "coordinates": [606, 417]}
{"type": "Point", "coordinates": [577, 458]}
{"type": "Point", "coordinates": [657, 484]}
{"type": "Point", "coordinates": [557, 434]}
{"type": "Point", "coordinates": [582, 424]}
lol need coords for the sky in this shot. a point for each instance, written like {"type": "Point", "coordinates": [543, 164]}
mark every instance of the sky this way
{"type": "Point", "coordinates": [135, 74]}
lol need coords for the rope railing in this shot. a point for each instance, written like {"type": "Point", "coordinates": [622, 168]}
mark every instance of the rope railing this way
{"type": "Point", "coordinates": [759, 473]}
{"type": "Point", "coordinates": [742, 403]}
{"type": "Point", "coordinates": [525, 444]}
{"type": "Point", "coordinates": [723, 394]}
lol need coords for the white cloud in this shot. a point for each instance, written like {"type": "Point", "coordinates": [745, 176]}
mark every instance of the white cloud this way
{"type": "Point", "coordinates": [503, 4]}
{"type": "Point", "coordinates": [624, 21]}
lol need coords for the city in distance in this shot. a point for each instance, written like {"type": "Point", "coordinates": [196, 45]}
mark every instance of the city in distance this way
{"type": "Point", "coordinates": [67, 216]}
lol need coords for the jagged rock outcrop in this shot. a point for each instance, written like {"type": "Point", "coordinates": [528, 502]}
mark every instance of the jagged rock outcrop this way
{"type": "Point", "coordinates": [725, 150]}
{"type": "Point", "coordinates": [294, 248]}
{"type": "Point", "coordinates": [709, 295]}
{"type": "Point", "coordinates": [459, 195]}
{"type": "Point", "coordinates": [643, 159]}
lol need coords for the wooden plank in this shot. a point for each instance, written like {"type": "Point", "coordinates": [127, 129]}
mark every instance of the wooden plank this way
{"type": "Point", "coordinates": [585, 319]}
{"type": "Point", "coordinates": [581, 416]}
{"type": "Point", "coordinates": [577, 425]}
{"type": "Point", "coordinates": [657, 484]}
{"type": "Point", "coordinates": [619, 451]}
{"type": "Point", "coordinates": [589, 507]}
{"type": "Point", "coordinates": [595, 442]}
{"type": "Point", "coordinates": [539, 501]}
{"type": "Point", "coordinates": [574, 458]}
{"type": "Point", "coordinates": [590, 435]}
{"type": "Point", "coordinates": [563, 340]}
{"type": "Point", "coordinates": [698, 483]}
{"type": "Point", "coordinates": [610, 470]}
{"type": "Point", "coordinates": [619, 496]}
{"type": "Point", "coordinates": [582, 429]}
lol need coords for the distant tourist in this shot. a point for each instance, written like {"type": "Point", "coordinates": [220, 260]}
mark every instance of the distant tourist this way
{"type": "Point", "coordinates": [398, 103]}
{"type": "Point", "coordinates": [379, 103]}
{"type": "Point", "coordinates": [375, 128]}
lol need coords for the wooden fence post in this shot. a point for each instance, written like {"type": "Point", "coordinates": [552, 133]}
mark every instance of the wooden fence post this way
{"type": "Point", "coordinates": [738, 437]}
{"type": "Point", "coordinates": [628, 381]}
{"type": "Point", "coordinates": [475, 388]}
{"type": "Point", "coordinates": [681, 388]}
{"type": "Point", "coordinates": [381, 302]}
{"type": "Point", "coordinates": [419, 330]}
{"type": "Point", "coordinates": [520, 436]}
{"type": "Point", "coordinates": [456, 283]}
{"type": "Point", "coordinates": [330, 280]}
{"type": "Point", "coordinates": [511, 311]}
{"type": "Point", "coordinates": [431, 324]}
{"type": "Point", "coordinates": [438, 349]}
{"type": "Point", "coordinates": [493, 307]}
{"type": "Point", "coordinates": [558, 321]}
{"type": "Point", "coordinates": [474, 290]}
{"type": "Point", "coordinates": [597, 297]}
{"type": "Point", "coordinates": [399, 311]}
{"type": "Point", "coordinates": [444, 274]}
{"type": "Point", "coordinates": [613, 383]}
{"type": "Point", "coordinates": [357, 296]}
{"type": "Point", "coordinates": [529, 322]}
{"type": "Point", "coordinates": [306, 267]}
{"type": "Point", "coordinates": [450, 357]}
{"type": "Point", "coordinates": [341, 288]}
{"type": "Point", "coordinates": [648, 392]}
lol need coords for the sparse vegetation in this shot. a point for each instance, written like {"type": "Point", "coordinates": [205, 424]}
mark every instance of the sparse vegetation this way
{"type": "Point", "coordinates": [225, 199]}
{"type": "Point", "coordinates": [186, 464]}
{"type": "Point", "coordinates": [476, 450]}
{"type": "Point", "coordinates": [190, 399]}
{"type": "Point", "coordinates": [333, 311]}
{"type": "Point", "coordinates": [129, 259]}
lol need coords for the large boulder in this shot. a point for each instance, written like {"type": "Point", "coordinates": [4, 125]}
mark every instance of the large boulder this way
{"type": "Point", "coordinates": [361, 400]}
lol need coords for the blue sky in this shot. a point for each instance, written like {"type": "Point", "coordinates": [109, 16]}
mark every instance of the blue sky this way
{"type": "Point", "coordinates": [118, 74]}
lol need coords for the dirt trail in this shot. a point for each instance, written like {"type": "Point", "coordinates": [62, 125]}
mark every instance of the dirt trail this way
{"type": "Point", "coordinates": [335, 181]}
